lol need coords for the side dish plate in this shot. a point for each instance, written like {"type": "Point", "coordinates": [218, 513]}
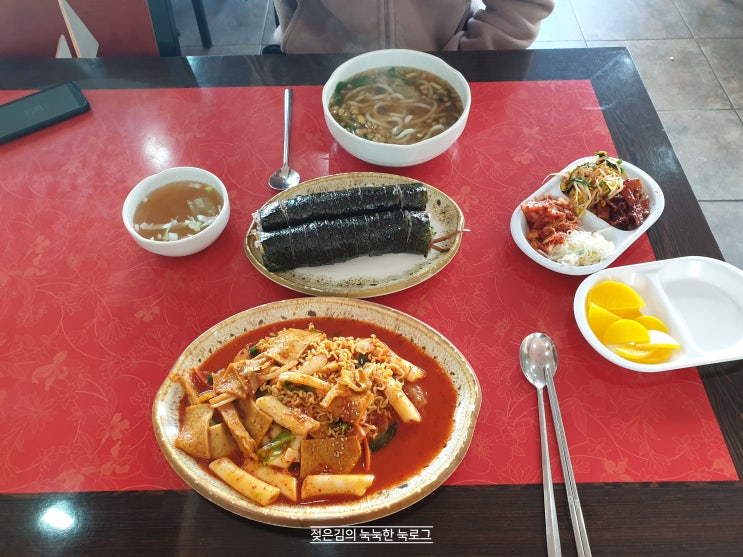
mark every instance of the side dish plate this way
{"type": "Point", "coordinates": [366, 277]}
{"type": "Point", "coordinates": [622, 239]}
{"type": "Point", "coordinates": [698, 298]}
{"type": "Point", "coordinates": [165, 413]}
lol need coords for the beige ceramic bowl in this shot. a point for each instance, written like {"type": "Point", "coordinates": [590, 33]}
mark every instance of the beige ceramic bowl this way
{"type": "Point", "coordinates": [184, 246]}
{"type": "Point", "coordinates": [166, 415]}
{"type": "Point", "coordinates": [385, 154]}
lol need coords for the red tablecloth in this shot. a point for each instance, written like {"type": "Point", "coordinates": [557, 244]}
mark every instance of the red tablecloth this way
{"type": "Point", "coordinates": [91, 323]}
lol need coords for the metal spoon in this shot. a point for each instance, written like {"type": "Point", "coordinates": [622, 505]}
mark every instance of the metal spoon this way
{"type": "Point", "coordinates": [545, 356]}
{"type": "Point", "coordinates": [532, 357]}
{"type": "Point", "coordinates": [285, 177]}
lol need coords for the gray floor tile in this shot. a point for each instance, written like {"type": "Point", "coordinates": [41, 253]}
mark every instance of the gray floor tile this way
{"type": "Point", "coordinates": [561, 25]}
{"type": "Point", "coordinates": [720, 215]}
{"type": "Point", "coordinates": [726, 59]}
{"type": "Point", "coordinates": [713, 18]}
{"type": "Point", "coordinates": [676, 73]}
{"type": "Point", "coordinates": [707, 144]}
{"type": "Point", "coordinates": [618, 20]}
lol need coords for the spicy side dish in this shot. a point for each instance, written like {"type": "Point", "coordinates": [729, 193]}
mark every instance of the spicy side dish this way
{"type": "Point", "coordinates": [600, 186]}
{"type": "Point", "coordinates": [303, 416]}
{"type": "Point", "coordinates": [395, 105]}
{"type": "Point", "coordinates": [554, 231]}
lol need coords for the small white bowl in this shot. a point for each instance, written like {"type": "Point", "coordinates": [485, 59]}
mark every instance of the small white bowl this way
{"type": "Point", "coordinates": [385, 154]}
{"type": "Point", "coordinates": [184, 246]}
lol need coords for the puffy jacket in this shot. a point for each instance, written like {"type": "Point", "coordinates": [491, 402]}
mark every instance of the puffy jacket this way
{"type": "Point", "coordinates": [316, 26]}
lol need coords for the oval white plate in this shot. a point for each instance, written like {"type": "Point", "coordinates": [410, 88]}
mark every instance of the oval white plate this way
{"type": "Point", "coordinates": [700, 300]}
{"type": "Point", "coordinates": [165, 413]}
{"type": "Point", "coordinates": [366, 277]}
{"type": "Point", "coordinates": [622, 239]}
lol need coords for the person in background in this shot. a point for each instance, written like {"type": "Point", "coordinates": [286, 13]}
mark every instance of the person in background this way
{"type": "Point", "coordinates": [352, 26]}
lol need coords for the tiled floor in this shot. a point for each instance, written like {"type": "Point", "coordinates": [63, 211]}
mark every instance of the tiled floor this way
{"type": "Point", "coordinates": [689, 53]}
{"type": "Point", "coordinates": [690, 56]}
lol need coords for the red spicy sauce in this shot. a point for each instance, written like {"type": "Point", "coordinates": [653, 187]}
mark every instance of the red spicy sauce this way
{"type": "Point", "coordinates": [415, 444]}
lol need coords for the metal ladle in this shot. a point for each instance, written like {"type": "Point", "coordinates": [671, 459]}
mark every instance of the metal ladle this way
{"type": "Point", "coordinates": [285, 177]}
{"type": "Point", "coordinates": [531, 356]}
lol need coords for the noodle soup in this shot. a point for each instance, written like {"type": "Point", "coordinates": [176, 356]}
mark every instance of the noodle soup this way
{"type": "Point", "coordinates": [396, 105]}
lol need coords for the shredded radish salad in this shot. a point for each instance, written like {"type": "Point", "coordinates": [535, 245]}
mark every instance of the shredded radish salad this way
{"type": "Point", "coordinates": [582, 248]}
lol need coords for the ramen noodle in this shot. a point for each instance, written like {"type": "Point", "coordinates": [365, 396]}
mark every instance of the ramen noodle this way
{"type": "Point", "coordinates": [395, 105]}
{"type": "Point", "coordinates": [298, 414]}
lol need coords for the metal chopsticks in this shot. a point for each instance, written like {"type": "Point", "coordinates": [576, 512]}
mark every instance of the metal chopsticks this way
{"type": "Point", "coordinates": [550, 511]}
{"type": "Point", "coordinates": [576, 513]}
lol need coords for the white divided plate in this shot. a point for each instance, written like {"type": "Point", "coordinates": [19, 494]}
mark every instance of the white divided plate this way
{"type": "Point", "coordinates": [698, 298]}
{"type": "Point", "coordinates": [166, 413]}
{"type": "Point", "coordinates": [622, 239]}
{"type": "Point", "coordinates": [365, 277]}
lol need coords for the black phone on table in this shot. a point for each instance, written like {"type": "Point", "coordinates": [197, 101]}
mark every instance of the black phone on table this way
{"type": "Point", "coordinates": [40, 110]}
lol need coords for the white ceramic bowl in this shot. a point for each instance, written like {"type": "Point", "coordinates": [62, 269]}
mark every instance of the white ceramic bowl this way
{"type": "Point", "coordinates": [385, 154]}
{"type": "Point", "coordinates": [184, 246]}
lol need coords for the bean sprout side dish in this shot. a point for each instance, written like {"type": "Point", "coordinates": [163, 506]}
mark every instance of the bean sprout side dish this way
{"type": "Point", "coordinates": [599, 186]}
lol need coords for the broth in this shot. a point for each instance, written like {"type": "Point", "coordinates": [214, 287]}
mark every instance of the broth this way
{"type": "Point", "coordinates": [415, 444]}
{"type": "Point", "coordinates": [177, 210]}
{"type": "Point", "coordinates": [395, 105]}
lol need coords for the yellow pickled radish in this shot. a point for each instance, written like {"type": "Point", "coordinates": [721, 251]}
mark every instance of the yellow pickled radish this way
{"type": "Point", "coordinates": [628, 313]}
{"type": "Point", "coordinates": [625, 331]}
{"type": "Point", "coordinates": [659, 356]}
{"type": "Point", "coordinates": [614, 296]}
{"type": "Point", "coordinates": [634, 353]}
{"type": "Point", "coordinates": [614, 313]}
{"type": "Point", "coordinates": [599, 319]}
{"type": "Point", "coordinates": [658, 339]}
{"type": "Point", "coordinates": [652, 323]}
{"type": "Point", "coordinates": [631, 352]}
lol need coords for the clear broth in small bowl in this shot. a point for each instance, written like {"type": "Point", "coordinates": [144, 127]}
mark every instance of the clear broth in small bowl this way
{"type": "Point", "coordinates": [177, 210]}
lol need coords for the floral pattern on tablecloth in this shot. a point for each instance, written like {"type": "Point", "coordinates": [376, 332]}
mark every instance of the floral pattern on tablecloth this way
{"type": "Point", "coordinates": [91, 323]}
